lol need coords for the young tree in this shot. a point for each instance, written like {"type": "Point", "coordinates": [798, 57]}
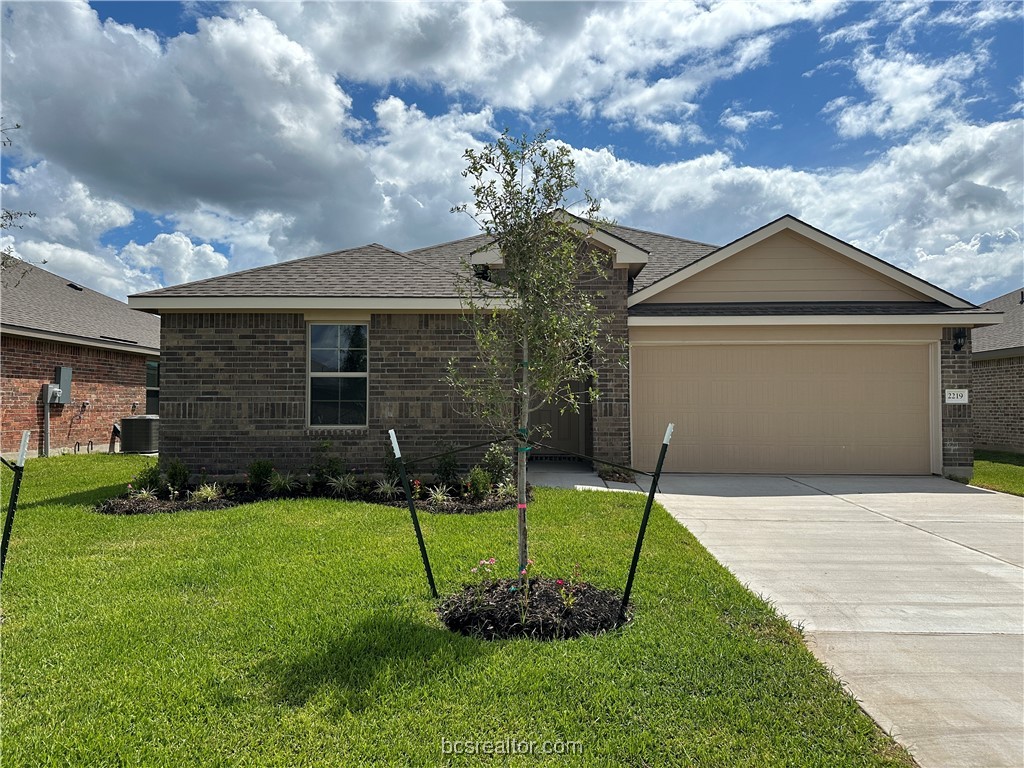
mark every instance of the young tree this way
{"type": "Point", "coordinates": [9, 218]}
{"type": "Point", "coordinates": [534, 319]}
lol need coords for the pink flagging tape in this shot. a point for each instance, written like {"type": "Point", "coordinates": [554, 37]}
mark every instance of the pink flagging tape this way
{"type": "Point", "coordinates": [522, 506]}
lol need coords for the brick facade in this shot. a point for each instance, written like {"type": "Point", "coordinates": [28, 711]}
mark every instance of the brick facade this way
{"type": "Point", "coordinates": [957, 427]}
{"type": "Point", "coordinates": [233, 390]}
{"type": "Point", "coordinates": [998, 403]}
{"type": "Point", "coordinates": [114, 384]}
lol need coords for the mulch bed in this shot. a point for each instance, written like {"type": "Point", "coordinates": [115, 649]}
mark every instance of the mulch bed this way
{"type": "Point", "coordinates": [133, 505]}
{"type": "Point", "coordinates": [504, 609]}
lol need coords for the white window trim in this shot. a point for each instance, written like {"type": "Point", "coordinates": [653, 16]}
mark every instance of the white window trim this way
{"type": "Point", "coordinates": [310, 375]}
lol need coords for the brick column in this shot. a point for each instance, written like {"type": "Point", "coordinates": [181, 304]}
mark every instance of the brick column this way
{"type": "Point", "coordinates": [611, 411]}
{"type": "Point", "coordinates": [957, 424]}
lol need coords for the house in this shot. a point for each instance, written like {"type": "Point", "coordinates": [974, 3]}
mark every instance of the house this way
{"type": "Point", "coordinates": [786, 350]}
{"type": "Point", "coordinates": [113, 353]}
{"type": "Point", "coordinates": [997, 367]}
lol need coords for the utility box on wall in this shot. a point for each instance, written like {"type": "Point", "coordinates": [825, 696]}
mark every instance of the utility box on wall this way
{"type": "Point", "coordinates": [62, 378]}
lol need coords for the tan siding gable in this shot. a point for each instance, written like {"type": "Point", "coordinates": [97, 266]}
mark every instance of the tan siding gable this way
{"type": "Point", "coordinates": [786, 267]}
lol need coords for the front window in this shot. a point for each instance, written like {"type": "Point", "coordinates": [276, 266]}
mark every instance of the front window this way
{"type": "Point", "coordinates": [337, 375]}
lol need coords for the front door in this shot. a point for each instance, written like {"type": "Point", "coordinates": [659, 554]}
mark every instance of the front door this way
{"type": "Point", "coordinates": [567, 431]}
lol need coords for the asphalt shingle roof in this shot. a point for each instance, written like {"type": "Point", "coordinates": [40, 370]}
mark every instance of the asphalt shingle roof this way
{"type": "Point", "coordinates": [370, 271]}
{"type": "Point", "coordinates": [1010, 333]}
{"type": "Point", "coordinates": [373, 271]}
{"type": "Point", "coordinates": [36, 300]}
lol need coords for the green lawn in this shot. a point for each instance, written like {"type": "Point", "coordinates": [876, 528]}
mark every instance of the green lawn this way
{"type": "Point", "coordinates": [999, 471]}
{"type": "Point", "coordinates": [301, 633]}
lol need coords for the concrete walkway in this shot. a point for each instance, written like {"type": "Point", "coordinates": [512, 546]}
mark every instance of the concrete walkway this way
{"type": "Point", "coordinates": [911, 589]}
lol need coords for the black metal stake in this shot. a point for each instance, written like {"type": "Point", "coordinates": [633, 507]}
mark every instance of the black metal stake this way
{"type": "Point", "coordinates": [643, 523]}
{"type": "Point", "coordinates": [19, 469]}
{"type": "Point", "coordinates": [412, 511]}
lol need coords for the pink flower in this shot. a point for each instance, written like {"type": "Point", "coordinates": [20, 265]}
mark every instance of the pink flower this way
{"type": "Point", "coordinates": [560, 583]}
{"type": "Point", "coordinates": [472, 570]}
{"type": "Point", "coordinates": [522, 572]}
{"type": "Point", "coordinates": [492, 561]}
{"type": "Point", "coordinates": [529, 562]}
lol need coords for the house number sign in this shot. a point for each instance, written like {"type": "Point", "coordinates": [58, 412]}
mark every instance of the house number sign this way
{"type": "Point", "coordinates": [958, 396]}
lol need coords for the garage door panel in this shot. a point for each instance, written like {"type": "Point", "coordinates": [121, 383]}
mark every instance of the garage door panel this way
{"type": "Point", "coordinates": [843, 408]}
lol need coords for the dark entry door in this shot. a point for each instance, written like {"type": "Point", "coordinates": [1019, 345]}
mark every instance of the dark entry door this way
{"type": "Point", "coordinates": [568, 431]}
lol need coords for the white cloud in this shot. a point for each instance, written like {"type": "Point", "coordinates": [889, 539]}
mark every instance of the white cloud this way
{"type": "Point", "coordinates": [64, 208]}
{"type": "Point", "coordinates": [905, 91]}
{"type": "Point", "coordinates": [984, 265]}
{"type": "Point", "coordinates": [977, 15]}
{"type": "Point", "coordinates": [178, 259]}
{"type": "Point", "coordinates": [599, 59]}
{"type": "Point", "coordinates": [739, 120]}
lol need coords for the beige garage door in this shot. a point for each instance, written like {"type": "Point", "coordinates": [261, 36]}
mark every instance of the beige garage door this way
{"type": "Point", "coordinates": [772, 408]}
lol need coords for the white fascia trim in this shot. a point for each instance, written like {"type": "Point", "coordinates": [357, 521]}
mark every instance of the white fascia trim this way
{"type": "Point", "coordinates": [65, 338]}
{"type": "Point", "coordinates": [826, 241]}
{"type": "Point", "coordinates": [293, 303]}
{"type": "Point", "coordinates": [943, 320]}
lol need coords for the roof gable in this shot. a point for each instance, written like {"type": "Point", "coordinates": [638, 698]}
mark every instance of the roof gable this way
{"type": "Point", "coordinates": [806, 244]}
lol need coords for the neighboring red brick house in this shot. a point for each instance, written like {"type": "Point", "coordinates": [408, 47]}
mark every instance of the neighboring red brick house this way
{"type": "Point", "coordinates": [46, 322]}
{"type": "Point", "coordinates": [998, 371]}
{"type": "Point", "coordinates": [785, 351]}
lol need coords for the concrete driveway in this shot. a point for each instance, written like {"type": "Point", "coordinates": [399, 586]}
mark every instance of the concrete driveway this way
{"type": "Point", "coordinates": [910, 588]}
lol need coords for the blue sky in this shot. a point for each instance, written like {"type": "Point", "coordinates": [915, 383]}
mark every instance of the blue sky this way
{"type": "Point", "coordinates": [170, 142]}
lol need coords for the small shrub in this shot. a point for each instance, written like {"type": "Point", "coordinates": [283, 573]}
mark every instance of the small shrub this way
{"type": "Point", "coordinates": [260, 472]}
{"type": "Point", "coordinates": [614, 474]}
{"type": "Point", "coordinates": [206, 493]}
{"type": "Point", "coordinates": [282, 483]}
{"type": "Point", "coordinates": [439, 494]}
{"type": "Point", "coordinates": [478, 483]}
{"type": "Point", "coordinates": [177, 474]}
{"type": "Point", "coordinates": [386, 488]}
{"type": "Point", "coordinates": [342, 485]}
{"type": "Point", "coordinates": [325, 466]}
{"type": "Point", "coordinates": [498, 463]}
{"type": "Point", "coordinates": [446, 470]}
{"type": "Point", "coordinates": [508, 490]}
{"type": "Point", "coordinates": [392, 466]}
{"type": "Point", "coordinates": [145, 494]}
{"type": "Point", "coordinates": [148, 479]}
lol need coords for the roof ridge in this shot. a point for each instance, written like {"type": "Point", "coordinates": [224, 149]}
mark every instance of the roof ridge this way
{"type": "Point", "coordinates": [660, 234]}
{"type": "Point", "coordinates": [446, 243]}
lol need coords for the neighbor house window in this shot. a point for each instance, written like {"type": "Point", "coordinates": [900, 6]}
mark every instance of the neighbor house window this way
{"type": "Point", "coordinates": [153, 387]}
{"type": "Point", "coordinates": [337, 375]}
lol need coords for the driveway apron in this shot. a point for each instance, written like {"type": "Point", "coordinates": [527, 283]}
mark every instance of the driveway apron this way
{"type": "Point", "coordinates": [911, 589]}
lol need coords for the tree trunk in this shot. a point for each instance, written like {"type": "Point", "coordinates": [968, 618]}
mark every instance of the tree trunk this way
{"type": "Point", "coordinates": [524, 427]}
